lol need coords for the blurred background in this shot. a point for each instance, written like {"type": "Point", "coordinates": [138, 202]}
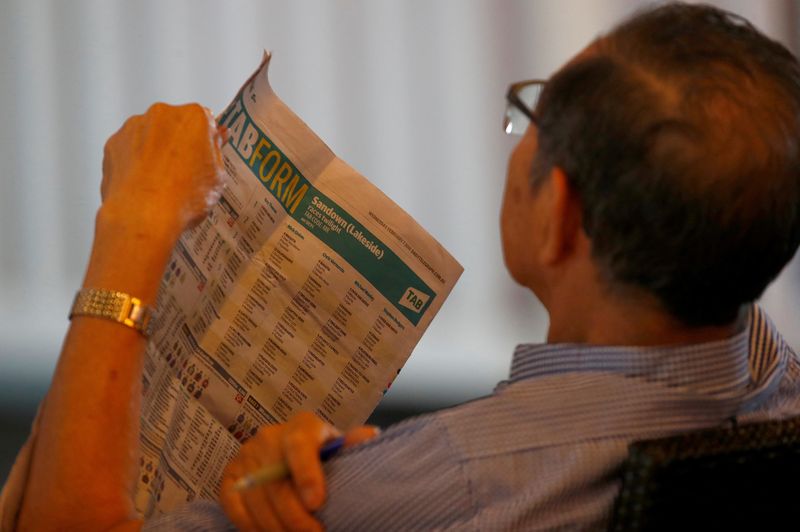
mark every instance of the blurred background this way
{"type": "Point", "coordinates": [408, 92]}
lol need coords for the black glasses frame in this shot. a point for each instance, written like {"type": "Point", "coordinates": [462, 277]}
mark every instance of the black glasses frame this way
{"type": "Point", "coordinates": [513, 97]}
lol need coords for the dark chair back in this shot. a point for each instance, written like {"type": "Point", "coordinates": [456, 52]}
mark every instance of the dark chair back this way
{"type": "Point", "coordinates": [744, 477]}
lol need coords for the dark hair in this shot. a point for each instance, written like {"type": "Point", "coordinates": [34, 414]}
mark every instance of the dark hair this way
{"type": "Point", "coordinates": [679, 131]}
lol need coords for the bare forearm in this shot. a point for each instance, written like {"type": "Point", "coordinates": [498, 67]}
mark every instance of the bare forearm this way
{"type": "Point", "coordinates": [162, 172]}
{"type": "Point", "coordinates": [88, 439]}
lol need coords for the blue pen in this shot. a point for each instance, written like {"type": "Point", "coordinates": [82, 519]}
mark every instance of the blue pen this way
{"type": "Point", "coordinates": [274, 472]}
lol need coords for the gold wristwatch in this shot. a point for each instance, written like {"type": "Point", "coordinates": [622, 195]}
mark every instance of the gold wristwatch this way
{"type": "Point", "coordinates": [115, 306]}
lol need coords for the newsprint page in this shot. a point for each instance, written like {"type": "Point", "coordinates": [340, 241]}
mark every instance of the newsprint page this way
{"type": "Point", "coordinates": [305, 289]}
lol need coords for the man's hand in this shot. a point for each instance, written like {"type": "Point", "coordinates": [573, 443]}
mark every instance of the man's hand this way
{"type": "Point", "coordinates": [164, 168]}
{"type": "Point", "coordinates": [284, 504]}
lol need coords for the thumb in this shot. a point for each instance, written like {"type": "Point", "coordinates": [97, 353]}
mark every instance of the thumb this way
{"type": "Point", "coordinates": [360, 435]}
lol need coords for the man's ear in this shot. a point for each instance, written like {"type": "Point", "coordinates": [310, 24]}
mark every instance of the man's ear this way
{"type": "Point", "coordinates": [564, 220]}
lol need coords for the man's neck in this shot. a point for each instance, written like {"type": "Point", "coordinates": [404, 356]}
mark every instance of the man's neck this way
{"type": "Point", "coordinates": [633, 321]}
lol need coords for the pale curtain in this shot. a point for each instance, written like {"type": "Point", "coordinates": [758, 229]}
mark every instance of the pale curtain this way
{"type": "Point", "coordinates": [409, 92]}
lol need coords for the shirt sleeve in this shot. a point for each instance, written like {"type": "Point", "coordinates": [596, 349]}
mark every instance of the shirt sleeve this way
{"type": "Point", "coordinates": [408, 478]}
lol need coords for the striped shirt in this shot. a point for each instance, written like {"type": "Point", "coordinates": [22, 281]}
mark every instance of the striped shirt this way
{"type": "Point", "coordinates": [543, 451]}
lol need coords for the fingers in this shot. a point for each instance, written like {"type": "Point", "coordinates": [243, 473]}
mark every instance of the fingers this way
{"type": "Point", "coordinates": [283, 504]}
{"type": "Point", "coordinates": [232, 503]}
{"type": "Point", "coordinates": [301, 445]}
{"type": "Point", "coordinates": [251, 509]}
{"type": "Point", "coordinates": [259, 508]}
{"type": "Point", "coordinates": [260, 511]}
{"type": "Point", "coordinates": [293, 513]}
{"type": "Point", "coordinates": [360, 435]}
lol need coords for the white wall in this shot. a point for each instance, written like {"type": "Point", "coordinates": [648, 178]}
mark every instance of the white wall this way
{"type": "Point", "coordinates": [409, 92]}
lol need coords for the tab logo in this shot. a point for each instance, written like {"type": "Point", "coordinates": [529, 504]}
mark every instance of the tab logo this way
{"type": "Point", "coordinates": [414, 300]}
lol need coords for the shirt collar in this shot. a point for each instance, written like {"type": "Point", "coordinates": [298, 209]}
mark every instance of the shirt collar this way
{"type": "Point", "coordinates": [721, 366]}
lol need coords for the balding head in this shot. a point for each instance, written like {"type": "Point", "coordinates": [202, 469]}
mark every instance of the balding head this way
{"type": "Point", "coordinates": [680, 133]}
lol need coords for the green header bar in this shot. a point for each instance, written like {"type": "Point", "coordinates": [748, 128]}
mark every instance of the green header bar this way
{"type": "Point", "coordinates": [324, 218]}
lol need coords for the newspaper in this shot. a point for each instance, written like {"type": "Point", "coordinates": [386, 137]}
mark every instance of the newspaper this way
{"type": "Point", "coordinates": [305, 289]}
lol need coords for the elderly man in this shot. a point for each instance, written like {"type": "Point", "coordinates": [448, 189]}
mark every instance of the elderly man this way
{"type": "Point", "coordinates": [654, 195]}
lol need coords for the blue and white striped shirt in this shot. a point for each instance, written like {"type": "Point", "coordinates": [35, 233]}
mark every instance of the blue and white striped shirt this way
{"type": "Point", "coordinates": [543, 451]}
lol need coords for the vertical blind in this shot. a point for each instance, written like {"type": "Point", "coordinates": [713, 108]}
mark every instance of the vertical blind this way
{"type": "Point", "coordinates": [409, 92]}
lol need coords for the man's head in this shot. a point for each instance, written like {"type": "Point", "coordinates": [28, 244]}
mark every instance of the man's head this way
{"type": "Point", "coordinates": [679, 133]}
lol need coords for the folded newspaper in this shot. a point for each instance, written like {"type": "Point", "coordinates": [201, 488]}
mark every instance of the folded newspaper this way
{"type": "Point", "coordinates": [305, 289]}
